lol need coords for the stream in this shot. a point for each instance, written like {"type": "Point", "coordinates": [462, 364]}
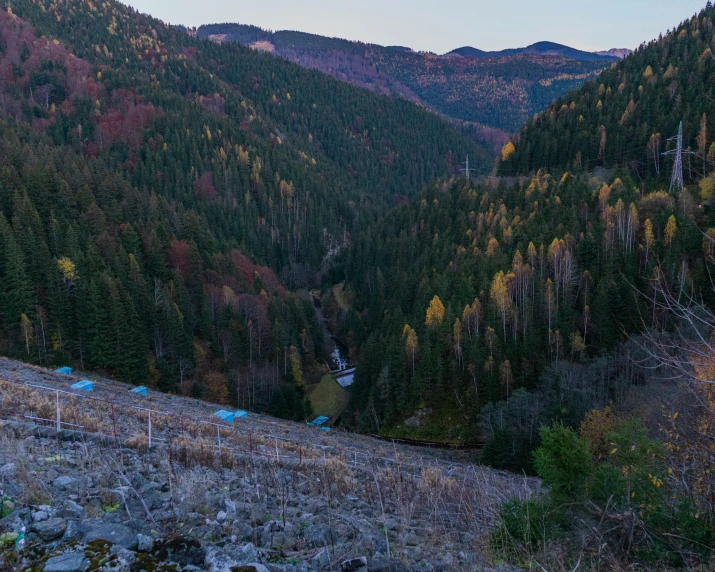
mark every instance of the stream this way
{"type": "Point", "coordinates": [340, 356]}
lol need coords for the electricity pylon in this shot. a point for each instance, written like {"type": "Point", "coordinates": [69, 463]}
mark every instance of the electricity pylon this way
{"type": "Point", "coordinates": [466, 169]}
{"type": "Point", "coordinates": [676, 181]}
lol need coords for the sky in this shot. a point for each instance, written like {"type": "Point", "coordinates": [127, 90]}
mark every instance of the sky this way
{"type": "Point", "coordinates": [443, 25]}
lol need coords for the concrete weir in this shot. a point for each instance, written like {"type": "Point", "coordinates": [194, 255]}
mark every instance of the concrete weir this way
{"type": "Point", "coordinates": [346, 377]}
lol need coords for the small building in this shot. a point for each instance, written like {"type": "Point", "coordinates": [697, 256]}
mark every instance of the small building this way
{"type": "Point", "coordinates": [141, 390]}
{"type": "Point", "coordinates": [224, 415]}
{"type": "Point", "coordinates": [64, 370]}
{"type": "Point", "coordinates": [240, 414]}
{"type": "Point", "coordinates": [84, 385]}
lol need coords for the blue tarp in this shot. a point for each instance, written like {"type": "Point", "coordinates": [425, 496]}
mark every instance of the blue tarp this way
{"type": "Point", "coordinates": [141, 390]}
{"type": "Point", "coordinates": [240, 414]}
{"type": "Point", "coordinates": [325, 428]}
{"type": "Point", "coordinates": [65, 370]}
{"type": "Point", "coordinates": [225, 415]}
{"type": "Point", "coordinates": [84, 385]}
{"type": "Point", "coordinates": [318, 421]}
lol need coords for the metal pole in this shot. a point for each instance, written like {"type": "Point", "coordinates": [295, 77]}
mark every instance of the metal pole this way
{"type": "Point", "coordinates": [218, 434]}
{"type": "Point", "coordinates": [114, 426]}
{"type": "Point", "coordinates": [57, 404]}
{"type": "Point", "coordinates": [149, 428]}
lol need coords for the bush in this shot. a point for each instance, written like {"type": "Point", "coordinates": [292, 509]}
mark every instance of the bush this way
{"type": "Point", "coordinates": [563, 461]}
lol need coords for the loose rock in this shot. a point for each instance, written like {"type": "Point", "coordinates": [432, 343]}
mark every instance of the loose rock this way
{"type": "Point", "coordinates": [114, 533]}
{"type": "Point", "coordinates": [70, 562]}
{"type": "Point", "coordinates": [50, 529]}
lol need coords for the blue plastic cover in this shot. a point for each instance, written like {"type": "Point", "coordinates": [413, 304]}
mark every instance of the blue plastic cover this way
{"type": "Point", "coordinates": [318, 421]}
{"type": "Point", "coordinates": [325, 428]}
{"type": "Point", "coordinates": [225, 415]}
{"type": "Point", "coordinates": [141, 390]}
{"type": "Point", "coordinates": [84, 385]}
{"type": "Point", "coordinates": [240, 414]}
{"type": "Point", "coordinates": [65, 370]}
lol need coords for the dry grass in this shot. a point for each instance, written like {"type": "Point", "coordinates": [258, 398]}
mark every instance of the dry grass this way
{"type": "Point", "coordinates": [443, 505]}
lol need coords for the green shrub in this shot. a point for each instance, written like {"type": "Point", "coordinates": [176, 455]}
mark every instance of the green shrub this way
{"type": "Point", "coordinates": [563, 461]}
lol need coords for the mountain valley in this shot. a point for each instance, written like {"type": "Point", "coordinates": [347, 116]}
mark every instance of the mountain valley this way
{"type": "Point", "coordinates": [307, 256]}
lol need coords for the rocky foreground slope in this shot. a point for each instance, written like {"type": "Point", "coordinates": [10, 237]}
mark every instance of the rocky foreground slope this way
{"type": "Point", "coordinates": [259, 494]}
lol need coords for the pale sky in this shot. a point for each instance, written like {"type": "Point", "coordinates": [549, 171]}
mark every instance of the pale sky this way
{"type": "Point", "coordinates": [443, 25]}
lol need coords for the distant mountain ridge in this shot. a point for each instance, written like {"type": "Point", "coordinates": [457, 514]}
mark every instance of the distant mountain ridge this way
{"type": "Point", "coordinates": [627, 115]}
{"type": "Point", "coordinates": [542, 49]}
{"type": "Point", "coordinates": [620, 53]}
{"type": "Point", "coordinates": [498, 92]}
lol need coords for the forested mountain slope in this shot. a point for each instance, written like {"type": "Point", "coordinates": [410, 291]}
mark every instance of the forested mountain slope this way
{"type": "Point", "coordinates": [492, 308]}
{"type": "Point", "coordinates": [469, 295]}
{"type": "Point", "coordinates": [157, 191]}
{"type": "Point", "coordinates": [500, 91]}
{"type": "Point", "coordinates": [625, 116]}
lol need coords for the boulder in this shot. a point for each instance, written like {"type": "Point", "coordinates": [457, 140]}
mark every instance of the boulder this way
{"type": "Point", "coordinates": [50, 529]}
{"type": "Point", "coordinates": [73, 532]}
{"type": "Point", "coordinates": [114, 533]}
{"type": "Point", "coordinates": [39, 516]}
{"type": "Point", "coordinates": [71, 509]}
{"type": "Point", "coordinates": [70, 562]}
{"type": "Point", "coordinates": [63, 482]}
{"type": "Point", "coordinates": [229, 557]}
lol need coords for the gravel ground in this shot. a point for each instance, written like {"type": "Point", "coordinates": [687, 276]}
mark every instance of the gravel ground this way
{"type": "Point", "coordinates": [260, 493]}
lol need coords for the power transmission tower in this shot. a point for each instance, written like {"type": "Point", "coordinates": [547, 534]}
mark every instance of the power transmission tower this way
{"type": "Point", "coordinates": [466, 169]}
{"type": "Point", "coordinates": [676, 182]}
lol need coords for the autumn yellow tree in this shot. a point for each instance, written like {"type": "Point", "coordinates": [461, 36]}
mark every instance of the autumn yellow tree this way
{"type": "Point", "coordinates": [707, 187]}
{"type": "Point", "coordinates": [67, 269]}
{"type": "Point", "coordinates": [411, 345]}
{"type": "Point", "coordinates": [492, 247]}
{"type": "Point", "coordinates": [649, 238]}
{"type": "Point", "coordinates": [500, 297]}
{"type": "Point", "coordinates": [507, 151]}
{"type": "Point", "coordinates": [472, 317]}
{"type": "Point", "coordinates": [296, 370]}
{"type": "Point", "coordinates": [670, 229]}
{"type": "Point", "coordinates": [26, 331]}
{"type": "Point", "coordinates": [216, 387]}
{"type": "Point", "coordinates": [491, 339]}
{"type": "Point", "coordinates": [435, 312]}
